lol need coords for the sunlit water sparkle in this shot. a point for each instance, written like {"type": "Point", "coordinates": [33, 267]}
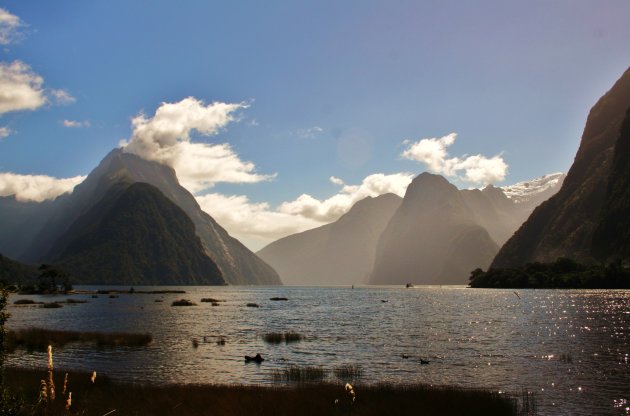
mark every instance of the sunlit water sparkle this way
{"type": "Point", "coordinates": [569, 347]}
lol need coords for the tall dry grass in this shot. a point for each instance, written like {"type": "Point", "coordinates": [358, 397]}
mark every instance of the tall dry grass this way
{"type": "Point", "coordinates": [303, 399]}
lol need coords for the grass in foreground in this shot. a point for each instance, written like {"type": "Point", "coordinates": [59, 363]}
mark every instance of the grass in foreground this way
{"type": "Point", "coordinates": [106, 396]}
{"type": "Point", "coordinates": [38, 339]}
{"type": "Point", "coordinates": [279, 337]}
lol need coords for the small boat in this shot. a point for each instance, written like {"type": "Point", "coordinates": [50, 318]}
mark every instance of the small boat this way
{"type": "Point", "coordinates": [408, 285]}
{"type": "Point", "coordinates": [257, 359]}
{"type": "Point", "coordinates": [423, 361]}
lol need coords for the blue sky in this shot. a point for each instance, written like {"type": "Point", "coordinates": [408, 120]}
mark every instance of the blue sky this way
{"type": "Point", "coordinates": [320, 89]}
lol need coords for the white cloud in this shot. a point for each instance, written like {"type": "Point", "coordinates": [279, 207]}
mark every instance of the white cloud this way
{"type": "Point", "coordinates": [20, 88]}
{"type": "Point", "coordinates": [330, 209]}
{"type": "Point", "coordinates": [309, 133]}
{"type": "Point", "coordinates": [257, 224]}
{"type": "Point", "coordinates": [62, 97]}
{"type": "Point", "coordinates": [76, 124]}
{"type": "Point", "coordinates": [9, 27]}
{"type": "Point", "coordinates": [165, 138]}
{"type": "Point", "coordinates": [477, 169]}
{"type": "Point", "coordinates": [36, 187]}
{"type": "Point", "coordinates": [336, 180]}
{"type": "Point", "coordinates": [4, 132]}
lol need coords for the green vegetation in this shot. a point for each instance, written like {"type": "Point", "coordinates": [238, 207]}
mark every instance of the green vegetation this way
{"type": "Point", "coordinates": [38, 339]}
{"type": "Point", "coordinates": [24, 302]}
{"type": "Point", "coordinates": [211, 300]}
{"type": "Point", "coordinates": [51, 305]}
{"type": "Point", "coordinates": [563, 273]}
{"type": "Point", "coordinates": [183, 302]}
{"type": "Point", "coordinates": [138, 235]}
{"type": "Point", "coordinates": [9, 403]}
{"type": "Point", "coordinates": [279, 337]}
{"type": "Point", "coordinates": [12, 271]}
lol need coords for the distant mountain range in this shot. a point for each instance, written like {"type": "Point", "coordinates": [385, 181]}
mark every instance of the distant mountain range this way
{"type": "Point", "coordinates": [340, 253]}
{"type": "Point", "coordinates": [76, 230]}
{"type": "Point", "coordinates": [587, 220]}
{"type": "Point", "coordinates": [437, 234]}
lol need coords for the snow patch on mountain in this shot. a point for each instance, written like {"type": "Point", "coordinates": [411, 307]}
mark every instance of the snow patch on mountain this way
{"type": "Point", "coordinates": [527, 190]}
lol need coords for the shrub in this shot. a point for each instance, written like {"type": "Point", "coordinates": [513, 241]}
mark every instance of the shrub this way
{"type": "Point", "coordinates": [183, 302]}
{"type": "Point", "coordinates": [24, 302]}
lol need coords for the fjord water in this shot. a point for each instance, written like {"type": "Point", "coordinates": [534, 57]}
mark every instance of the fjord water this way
{"type": "Point", "coordinates": [569, 347]}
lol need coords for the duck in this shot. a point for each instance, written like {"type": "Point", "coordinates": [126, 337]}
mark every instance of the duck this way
{"type": "Point", "coordinates": [257, 359]}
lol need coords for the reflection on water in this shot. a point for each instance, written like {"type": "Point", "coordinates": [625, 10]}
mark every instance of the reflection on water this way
{"type": "Point", "coordinates": [569, 347]}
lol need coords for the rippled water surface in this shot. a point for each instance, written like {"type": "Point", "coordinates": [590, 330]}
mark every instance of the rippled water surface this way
{"type": "Point", "coordinates": [569, 347]}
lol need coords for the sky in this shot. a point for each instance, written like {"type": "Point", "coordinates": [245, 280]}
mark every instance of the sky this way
{"type": "Point", "coordinates": [279, 115]}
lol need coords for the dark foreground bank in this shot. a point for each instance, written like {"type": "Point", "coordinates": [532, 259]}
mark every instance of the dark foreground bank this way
{"type": "Point", "coordinates": [106, 396]}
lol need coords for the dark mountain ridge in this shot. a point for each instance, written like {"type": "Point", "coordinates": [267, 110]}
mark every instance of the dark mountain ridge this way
{"type": "Point", "coordinates": [238, 264]}
{"type": "Point", "coordinates": [577, 222]}
{"type": "Point", "coordinates": [136, 236]}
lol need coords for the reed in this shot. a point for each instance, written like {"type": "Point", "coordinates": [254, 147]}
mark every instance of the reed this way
{"type": "Point", "coordinates": [38, 339]}
{"type": "Point", "coordinates": [300, 374]}
{"type": "Point", "coordinates": [279, 337]}
{"type": "Point", "coordinates": [317, 398]}
{"type": "Point", "coordinates": [348, 372]}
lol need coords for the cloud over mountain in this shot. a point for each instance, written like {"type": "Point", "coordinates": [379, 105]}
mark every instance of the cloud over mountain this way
{"type": "Point", "coordinates": [330, 209]}
{"type": "Point", "coordinates": [477, 169]}
{"type": "Point", "coordinates": [260, 222]}
{"type": "Point", "coordinates": [165, 138]}
{"type": "Point", "coordinates": [249, 220]}
{"type": "Point", "coordinates": [36, 188]}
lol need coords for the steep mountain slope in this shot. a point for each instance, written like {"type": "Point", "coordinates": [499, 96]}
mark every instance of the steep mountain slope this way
{"type": "Point", "coordinates": [237, 263]}
{"type": "Point", "coordinates": [20, 221]}
{"type": "Point", "coordinates": [493, 211]}
{"type": "Point", "coordinates": [433, 237]}
{"type": "Point", "coordinates": [611, 240]}
{"type": "Point", "coordinates": [565, 225]}
{"type": "Point", "coordinates": [340, 253]}
{"type": "Point", "coordinates": [135, 235]}
{"type": "Point", "coordinates": [12, 271]}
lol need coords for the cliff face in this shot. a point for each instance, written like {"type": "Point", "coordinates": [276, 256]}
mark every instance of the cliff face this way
{"type": "Point", "coordinates": [567, 224]}
{"type": "Point", "coordinates": [611, 240]}
{"type": "Point", "coordinates": [340, 253]}
{"type": "Point", "coordinates": [136, 236]}
{"type": "Point", "coordinates": [433, 237]}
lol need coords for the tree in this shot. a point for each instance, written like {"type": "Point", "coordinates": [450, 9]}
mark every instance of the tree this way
{"type": "Point", "coordinates": [48, 277]}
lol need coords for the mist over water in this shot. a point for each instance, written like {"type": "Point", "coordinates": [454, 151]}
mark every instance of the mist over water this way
{"type": "Point", "coordinates": [569, 347]}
